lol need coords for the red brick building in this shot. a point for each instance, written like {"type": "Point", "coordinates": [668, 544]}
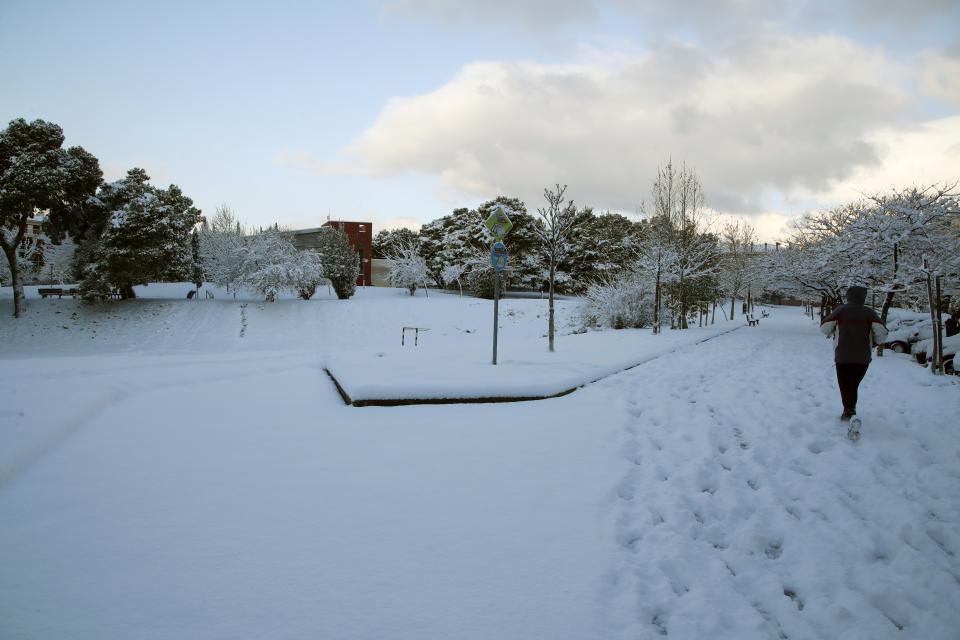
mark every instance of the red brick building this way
{"type": "Point", "coordinates": [360, 235]}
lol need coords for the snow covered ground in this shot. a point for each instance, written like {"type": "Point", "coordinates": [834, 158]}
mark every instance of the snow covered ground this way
{"type": "Point", "coordinates": [162, 476]}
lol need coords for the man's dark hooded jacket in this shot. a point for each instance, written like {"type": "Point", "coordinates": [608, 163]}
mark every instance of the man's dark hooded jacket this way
{"type": "Point", "coordinates": [854, 324]}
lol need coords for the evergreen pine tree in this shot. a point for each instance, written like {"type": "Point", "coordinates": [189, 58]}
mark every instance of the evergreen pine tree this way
{"type": "Point", "coordinates": [36, 173]}
{"type": "Point", "coordinates": [145, 236]}
{"type": "Point", "coordinates": [341, 264]}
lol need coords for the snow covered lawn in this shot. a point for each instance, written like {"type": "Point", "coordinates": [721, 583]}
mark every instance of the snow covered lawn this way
{"type": "Point", "coordinates": [163, 477]}
{"type": "Point", "coordinates": [446, 371]}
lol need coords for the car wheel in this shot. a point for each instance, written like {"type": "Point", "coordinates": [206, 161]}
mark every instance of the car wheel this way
{"type": "Point", "coordinates": [898, 347]}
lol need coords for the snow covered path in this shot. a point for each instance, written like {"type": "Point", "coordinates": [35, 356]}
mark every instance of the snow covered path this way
{"type": "Point", "coordinates": [743, 512]}
{"type": "Point", "coordinates": [708, 494]}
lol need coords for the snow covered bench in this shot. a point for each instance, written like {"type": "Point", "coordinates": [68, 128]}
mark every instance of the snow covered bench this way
{"type": "Point", "coordinates": [751, 321]}
{"type": "Point", "coordinates": [56, 291]}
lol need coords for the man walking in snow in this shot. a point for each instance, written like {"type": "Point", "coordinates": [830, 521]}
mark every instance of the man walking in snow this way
{"type": "Point", "coordinates": [853, 324]}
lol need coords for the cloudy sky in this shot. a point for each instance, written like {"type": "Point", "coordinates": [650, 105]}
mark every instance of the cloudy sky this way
{"type": "Point", "coordinates": [398, 111]}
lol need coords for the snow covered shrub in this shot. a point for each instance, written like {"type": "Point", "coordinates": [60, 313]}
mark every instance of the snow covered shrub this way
{"type": "Point", "coordinates": [618, 303]}
{"type": "Point", "coordinates": [409, 270]}
{"type": "Point", "coordinates": [308, 273]}
{"type": "Point", "coordinates": [341, 264]}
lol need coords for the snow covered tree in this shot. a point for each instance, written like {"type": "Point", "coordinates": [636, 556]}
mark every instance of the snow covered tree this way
{"type": "Point", "coordinates": [604, 244]}
{"type": "Point", "coordinates": [910, 223]}
{"type": "Point", "coordinates": [452, 273]}
{"type": "Point", "coordinates": [447, 240]}
{"type": "Point", "coordinates": [408, 268]}
{"type": "Point", "coordinates": [40, 261]}
{"type": "Point", "coordinates": [523, 245]}
{"type": "Point", "coordinates": [341, 264]}
{"type": "Point", "coordinates": [268, 264]}
{"type": "Point", "coordinates": [554, 232]}
{"type": "Point", "coordinates": [220, 241]}
{"type": "Point", "coordinates": [37, 174]}
{"type": "Point", "coordinates": [656, 256]}
{"type": "Point", "coordinates": [738, 239]}
{"type": "Point", "coordinates": [879, 243]}
{"type": "Point", "coordinates": [385, 241]}
{"type": "Point", "coordinates": [678, 199]}
{"type": "Point", "coordinates": [145, 236]}
{"type": "Point", "coordinates": [455, 238]}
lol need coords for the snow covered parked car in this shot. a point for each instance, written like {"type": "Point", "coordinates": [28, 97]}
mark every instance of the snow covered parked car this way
{"type": "Point", "coordinates": [923, 352]}
{"type": "Point", "coordinates": [906, 329]}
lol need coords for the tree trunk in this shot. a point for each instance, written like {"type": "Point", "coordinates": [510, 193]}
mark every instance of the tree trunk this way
{"type": "Point", "coordinates": [683, 305]}
{"type": "Point", "coordinates": [733, 300]}
{"type": "Point", "coordinates": [887, 303]}
{"type": "Point", "coordinates": [656, 306]}
{"type": "Point", "coordinates": [127, 292]}
{"type": "Point", "coordinates": [934, 312]}
{"type": "Point", "coordinates": [550, 329]}
{"type": "Point", "coordinates": [937, 328]}
{"type": "Point", "coordinates": [18, 304]}
{"type": "Point", "coordinates": [888, 300]}
{"type": "Point", "coordinates": [713, 317]}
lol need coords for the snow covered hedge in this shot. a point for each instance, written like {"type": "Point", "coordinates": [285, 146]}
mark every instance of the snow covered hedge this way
{"type": "Point", "coordinates": [618, 303]}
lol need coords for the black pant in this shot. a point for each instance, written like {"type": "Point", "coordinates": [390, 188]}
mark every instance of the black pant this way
{"type": "Point", "coordinates": [849, 375]}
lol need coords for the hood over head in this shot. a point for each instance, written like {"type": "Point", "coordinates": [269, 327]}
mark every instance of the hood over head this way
{"type": "Point", "coordinates": [856, 295]}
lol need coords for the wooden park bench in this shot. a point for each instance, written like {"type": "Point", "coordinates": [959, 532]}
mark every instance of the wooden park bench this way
{"type": "Point", "coordinates": [57, 291]}
{"type": "Point", "coordinates": [751, 321]}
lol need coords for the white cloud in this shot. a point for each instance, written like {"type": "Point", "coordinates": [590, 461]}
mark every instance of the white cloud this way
{"type": "Point", "coordinates": [918, 155]}
{"type": "Point", "coordinates": [940, 76]}
{"type": "Point", "coordinates": [783, 114]}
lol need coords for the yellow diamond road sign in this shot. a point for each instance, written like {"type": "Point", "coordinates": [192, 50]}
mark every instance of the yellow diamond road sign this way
{"type": "Point", "coordinates": [498, 223]}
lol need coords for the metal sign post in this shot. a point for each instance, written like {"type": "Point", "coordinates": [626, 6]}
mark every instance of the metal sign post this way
{"type": "Point", "coordinates": [499, 259]}
{"type": "Point", "coordinates": [496, 312]}
{"type": "Point", "coordinates": [499, 225]}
